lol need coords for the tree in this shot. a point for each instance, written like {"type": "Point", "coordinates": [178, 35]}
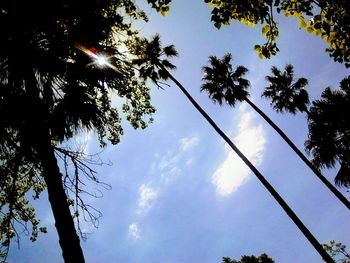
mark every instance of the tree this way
{"type": "Point", "coordinates": [293, 97]}
{"type": "Point", "coordinates": [325, 19]}
{"type": "Point", "coordinates": [149, 55]}
{"type": "Point", "coordinates": [154, 53]}
{"type": "Point", "coordinates": [263, 258]}
{"type": "Point", "coordinates": [329, 126]}
{"type": "Point", "coordinates": [337, 251]}
{"type": "Point", "coordinates": [224, 84]}
{"type": "Point", "coordinates": [285, 93]}
{"type": "Point", "coordinates": [49, 91]}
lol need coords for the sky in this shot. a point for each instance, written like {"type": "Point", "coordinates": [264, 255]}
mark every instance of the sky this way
{"type": "Point", "coordinates": [179, 194]}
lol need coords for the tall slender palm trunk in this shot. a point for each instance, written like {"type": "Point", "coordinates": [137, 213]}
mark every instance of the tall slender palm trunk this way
{"type": "Point", "coordinates": [331, 187]}
{"type": "Point", "coordinates": [261, 178]}
{"type": "Point", "coordinates": [68, 238]}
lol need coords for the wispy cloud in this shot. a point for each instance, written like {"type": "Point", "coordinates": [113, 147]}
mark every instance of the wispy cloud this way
{"type": "Point", "coordinates": [147, 197]}
{"type": "Point", "coordinates": [169, 165]}
{"type": "Point", "coordinates": [188, 143]}
{"type": "Point", "coordinates": [134, 231]}
{"type": "Point", "coordinates": [232, 172]}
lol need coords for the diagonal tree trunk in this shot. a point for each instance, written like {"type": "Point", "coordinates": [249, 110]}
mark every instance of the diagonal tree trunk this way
{"type": "Point", "coordinates": [331, 187]}
{"type": "Point", "coordinates": [326, 257]}
{"type": "Point", "coordinates": [68, 238]}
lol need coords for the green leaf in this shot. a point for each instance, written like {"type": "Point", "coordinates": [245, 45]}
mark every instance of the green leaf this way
{"type": "Point", "coordinates": [302, 23]}
{"type": "Point", "coordinates": [43, 229]}
{"type": "Point", "coordinates": [310, 29]}
{"type": "Point", "coordinates": [164, 10]}
{"type": "Point", "coordinates": [265, 29]}
{"type": "Point", "coordinates": [217, 25]}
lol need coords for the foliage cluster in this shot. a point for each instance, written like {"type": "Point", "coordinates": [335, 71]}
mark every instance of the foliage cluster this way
{"type": "Point", "coordinates": [263, 258]}
{"type": "Point", "coordinates": [325, 19]}
{"type": "Point", "coordinates": [50, 91]}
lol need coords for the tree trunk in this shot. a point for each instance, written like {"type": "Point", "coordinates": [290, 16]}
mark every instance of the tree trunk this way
{"type": "Point", "coordinates": [331, 187]}
{"type": "Point", "coordinates": [261, 178]}
{"type": "Point", "coordinates": [68, 238]}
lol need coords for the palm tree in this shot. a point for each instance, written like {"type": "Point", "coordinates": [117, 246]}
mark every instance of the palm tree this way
{"type": "Point", "coordinates": [285, 93]}
{"type": "Point", "coordinates": [225, 85]}
{"type": "Point", "coordinates": [329, 131]}
{"type": "Point", "coordinates": [157, 65]}
{"type": "Point", "coordinates": [289, 95]}
{"type": "Point", "coordinates": [49, 91]}
{"type": "Point", "coordinates": [149, 61]}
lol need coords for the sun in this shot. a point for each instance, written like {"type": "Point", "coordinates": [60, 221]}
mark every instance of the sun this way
{"type": "Point", "coordinates": [100, 60]}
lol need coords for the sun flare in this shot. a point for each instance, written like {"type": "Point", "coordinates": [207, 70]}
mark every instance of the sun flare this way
{"type": "Point", "coordinates": [100, 60]}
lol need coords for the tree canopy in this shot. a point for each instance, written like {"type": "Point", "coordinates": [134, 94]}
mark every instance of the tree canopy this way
{"type": "Point", "coordinates": [263, 258]}
{"type": "Point", "coordinates": [325, 19]}
{"type": "Point", "coordinates": [61, 91]}
{"type": "Point", "coordinates": [329, 126]}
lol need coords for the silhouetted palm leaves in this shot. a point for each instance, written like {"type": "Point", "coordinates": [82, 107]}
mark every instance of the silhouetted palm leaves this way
{"type": "Point", "coordinates": [150, 59]}
{"type": "Point", "coordinates": [329, 131]}
{"type": "Point", "coordinates": [224, 84]}
{"type": "Point", "coordinates": [285, 93]}
{"type": "Point", "coordinates": [157, 65]}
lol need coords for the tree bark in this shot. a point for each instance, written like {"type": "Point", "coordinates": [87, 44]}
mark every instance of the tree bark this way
{"type": "Point", "coordinates": [68, 238]}
{"type": "Point", "coordinates": [326, 257]}
{"type": "Point", "coordinates": [331, 187]}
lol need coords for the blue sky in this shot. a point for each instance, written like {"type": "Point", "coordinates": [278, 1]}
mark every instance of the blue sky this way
{"type": "Point", "coordinates": [178, 193]}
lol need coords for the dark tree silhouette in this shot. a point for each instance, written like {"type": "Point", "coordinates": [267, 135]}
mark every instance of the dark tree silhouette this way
{"type": "Point", "coordinates": [155, 55]}
{"type": "Point", "coordinates": [263, 258]}
{"type": "Point", "coordinates": [329, 131]}
{"type": "Point", "coordinates": [224, 84]}
{"type": "Point", "coordinates": [149, 57]}
{"type": "Point", "coordinates": [285, 93]}
{"type": "Point", "coordinates": [50, 91]}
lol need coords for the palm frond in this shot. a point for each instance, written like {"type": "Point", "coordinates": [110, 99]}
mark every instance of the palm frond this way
{"type": "Point", "coordinates": [343, 177]}
{"type": "Point", "coordinates": [170, 51]}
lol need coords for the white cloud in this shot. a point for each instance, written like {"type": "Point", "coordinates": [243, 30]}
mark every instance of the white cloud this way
{"type": "Point", "coordinates": [169, 160]}
{"type": "Point", "coordinates": [187, 143]}
{"type": "Point", "coordinates": [147, 197]}
{"type": "Point", "coordinates": [233, 172]}
{"type": "Point", "coordinates": [190, 161]}
{"type": "Point", "coordinates": [171, 174]}
{"type": "Point", "coordinates": [169, 164]}
{"type": "Point", "coordinates": [134, 231]}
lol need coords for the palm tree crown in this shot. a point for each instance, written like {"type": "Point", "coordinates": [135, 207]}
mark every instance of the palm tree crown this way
{"type": "Point", "coordinates": [286, 93]}
{"type": "Point", "coordinates": [222, 83]}
{"type": "Point", "coordinates": [329, 130]}
{"type": "Point", "coordinates": [149, 58]}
